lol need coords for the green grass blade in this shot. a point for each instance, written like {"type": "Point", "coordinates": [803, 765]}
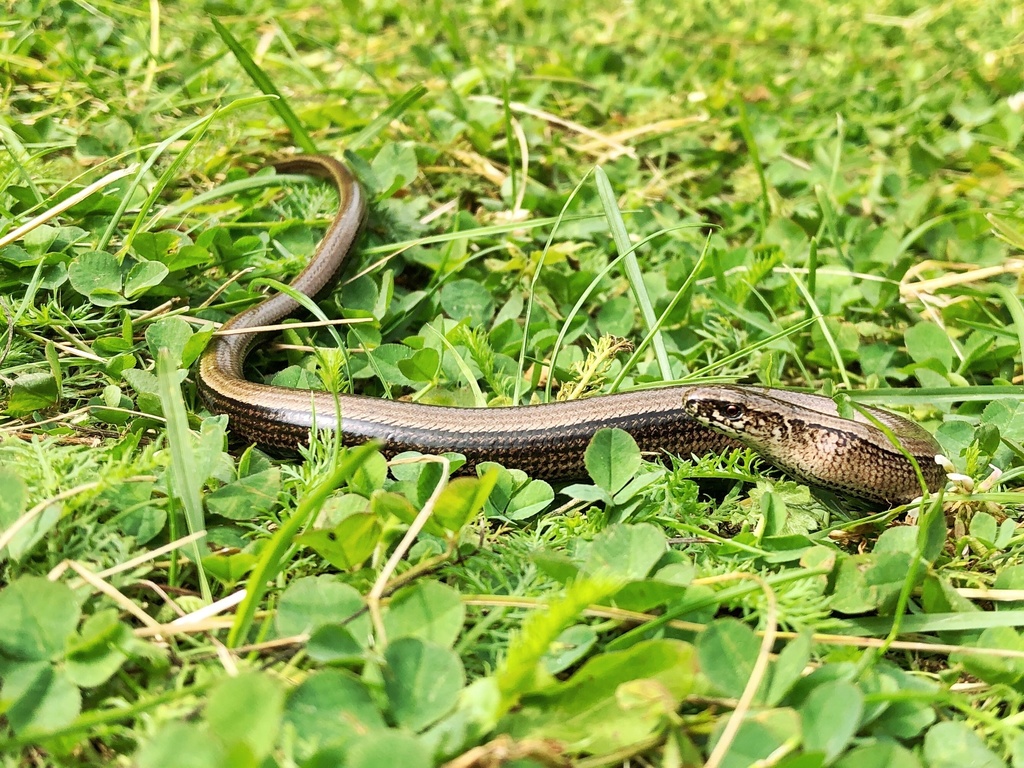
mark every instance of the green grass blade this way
{"type": "Point", "coordinates": [830, 340]}
{"type": "Point", "coordinates": [740, 354]}
{"type": "Point", "coordinates": [197, 126]}
{"type": "Point", "coordinates": [932, 395]}
{"type": "Point", "coordinates": [1013, 306]}
{"type": "Point", "coordinates": [524, 346]}
{"type": "Point", "coordinates": [264, 83]}
{"type": "Point", "coordinates": [393, 111]}
{"type": "Point", "coordinates": [185, 475]}
{"type": "Point", "coordinates": [642, 346]}
{"type": "Point", "coordinates": [755, 158]}
{"type": "Point", "coordinates": [828, 213]}
{"type": "Point", "coordinates": [582, 301]}
{"type": "Point", "coordinates": [271, 558]}
{"type": "Point", "coordinates": [633, 273]}
{"type": "Point", "coordinates": [972, 621]}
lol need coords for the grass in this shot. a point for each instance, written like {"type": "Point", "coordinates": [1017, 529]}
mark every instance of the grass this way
{"type": "Point", "coordinates": [824, 196]}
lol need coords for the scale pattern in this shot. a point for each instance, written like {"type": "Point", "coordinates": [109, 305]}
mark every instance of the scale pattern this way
{"type": "Point", "coordinates": [801, 434]}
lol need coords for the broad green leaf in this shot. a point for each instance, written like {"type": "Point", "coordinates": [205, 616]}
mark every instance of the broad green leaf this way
{"type": "Point", "coordinates": [616, 317]}
{"type": "Point", "coordinates": [760, 734]}
{"type": "Point", "coordinates": [1011, 577]}
{"type": "Point", "coordinates": [247, 709]}
{"type": "Point", "coordinates": [902, 538]}
{"type": "Point", "coordinates": [927, 341]}
{"type": "Point", "coordinates": [728, 650]}
{"type": "Point", "coordinates": [427, 610]}
{"type": "Point", "coordinates": [13, 497]}
{"type": "Point", "coordinates": [143, 276]}
{"type": "Point", "coordinates": [143, 382]}
{"type": "Point", "coordinates": [1007, 530]}
{"type": "Point", "coordinates": [97, 275]}
{"type": "Point", "coordinates": [556, 565]}
{"type": "Point", "coordinates": [991, 668]}
{"type": "Point", "coordinates": [296, 377]}
{"type": "Point", "coordinates": [645, 594]}
{"type": "Point", "coordinates": [359, 297]}
{"type": "Point", "coordinates": [845, 336]}
{"type": "Point", "coordinates": [422, 681]}
{"type": "Point", "coordinates": [612, 458]}
{"type": "Point", "coordinates": [939, 596]}
{"type": "Point", "coordinates": [925, 159]}
{"type": "Point", "coordinates": [95, 653]}
{"type": "Point", "coordinates": [37, 616]}
{"type": "Point", "coordinates": [394, 167]}
{"type": "Point", "coordinates": [587, 492]}
{"type": "Point", "coordinates": [529, 500]}
{"type": "Point", "coordinates": [166, 749]}
{"type": "Point", "coordinates": [417, 480]}
{"type": "Point", "coordinates": [879, 754]}
{"type": "Point", "coordinates": [773, 513]}
{"type": "Point", "coordinates": [423, 366]}
{"type": "Point", "coordinates": [647, 698]}
{"type": "Point", "coordinates": [370, 476]}
{"type": "Point", "coordinates": [515, 497]}
{"type": "Point", "coordinates": [877, 245]}
{"type": "Point", "coordinates": [870, 581]}
{"type": "Point", "coordinates": [39, 697]}
{"type": "Point", "coordinates": [229, 569]}
{"type": "Point", "coordinates": [246, 498]}
{"type": "Point", "coordinates": [954, 745]}
{"type": "Point", "coordinates": [313, 601]}
{"type": "Point", "coordinates": [569, 647]}
{"type": "Point", "coordinates": [831, 716]}
{"type": "Point", "coordinates": [156, 246]}
{"type": "Point", "coordinates": [467, 300]}
{"type": "Point", "coordinates": [53, 276]}
{"type": "Point", "coordinates": [788, 667]}
{"type": "Point", "coordinates": [13, 503]}
{"type": "Point", "coordinates": [984, 528]}
{"type": "Point", "coordinates": [195, 345]}
{"type": "Point", "coordinates": [463, 498]}
{"type": "Point", "coordinates": [186, 257]}
{"type": "Point", "coordinates": [388, 748]}
{"type": "Point", "coordinates": [49, 239]}
{"type": "Point", "coordinates": [385, 504]}
{"type": "Point", "coordinates": [1007, 415]}
{"type": "Point", "coordinates": [909, 715]}
{"type": "Point", "coordinates": [613, 700]}
{"type": "Point", "coordinates": [32, 392]}
{"type": "Point", "coordinates": [954, 437]}
{"type": "Point", "coordinates": [348, 544]}
{"type": "Point", "coordinates": [330, 708]}
{"type": "Point", "coordinates": [931, 537]}
{"type": "Point", "coordinates": [170, 333]}
{"type": "Point", "coordinates": [1017, 754]}
{"type": "Point", "coordinates": [17, 256]}
{"type": "Point", "coordinates": [626, 552]}
{"type": "Point", "coordinates": [334, 644]}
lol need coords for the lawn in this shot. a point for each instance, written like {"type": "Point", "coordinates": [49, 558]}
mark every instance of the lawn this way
{"type": "Point", "coordinates": [563, 201]}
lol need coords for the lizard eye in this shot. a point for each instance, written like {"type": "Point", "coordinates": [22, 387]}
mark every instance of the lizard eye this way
{"type": "Point", "coordinates": [732, 411]}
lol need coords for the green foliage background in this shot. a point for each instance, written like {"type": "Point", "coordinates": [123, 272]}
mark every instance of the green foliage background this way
{"type": "Point", "coordinates": [821, 195]}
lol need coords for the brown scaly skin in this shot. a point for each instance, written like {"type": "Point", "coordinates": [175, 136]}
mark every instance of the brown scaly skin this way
{"type": "Point", "coordinates": [805, 436]}
{"type": "Point", "coordinates": [808, 439]}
